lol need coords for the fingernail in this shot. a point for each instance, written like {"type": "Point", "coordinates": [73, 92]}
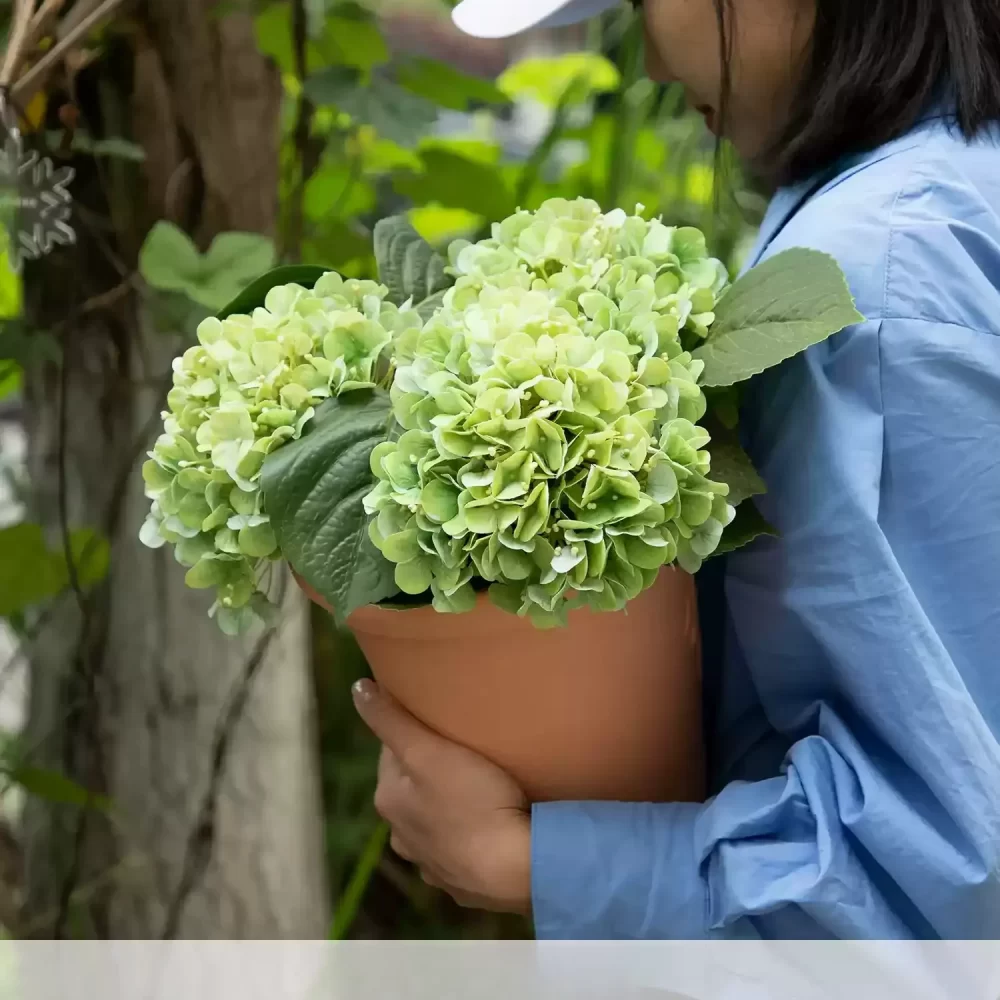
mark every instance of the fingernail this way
{"type": "Point", "coordinates": [363, 691]}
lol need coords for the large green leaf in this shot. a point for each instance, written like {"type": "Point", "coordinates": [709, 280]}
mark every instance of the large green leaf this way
{"type": "Point", "coordinates": [338, 244]}
{"type": "Point", "coordinates": [394, 112]}
{"type": "Point", "coordinates": [554, 80]}
{"type": "Point", "coordinates": [353, 42]}
{"type": "Point", "coordinates": [430, 305]}
{"type": "Point", "coordinates": [458, 182]}
{"type": "Point", "coordinates": [407, 264]}
{"type": "Point", "coordinates": [732, 465]}
{"type": "Point", "coordinates": [10, 378]}
{"type": "Point", "coordinates": [31, 572]}
{"type": "Point", "coordinates": [254, 294]}
{"type": "Point", "coordinates": [232, 260]}
{"type": "Point", "coordinates": [170, 261]}
{"type": "Point", "coordinates": [449, 87]}
{"type": "Point", "coordinates": [113, 148]}
{"type": "Point", "coordinates": [336, 192]}
{"type": "Point", "coordinates": [273, 31]}
{"type": "Point", "coordinates": [776, 310]}
{"type": "Point", "coordinates": [346, 41]}
{"type": "Point", "coordinates": [54, 787]}
{"type": "Point", "coordinates": [748, 525]}
{"type": "Point", "coordinates": [25, 344]}
{"type": "Point", "coordinates": [11, 289]}
{"type": "Point", "coordinates": [313, 490]}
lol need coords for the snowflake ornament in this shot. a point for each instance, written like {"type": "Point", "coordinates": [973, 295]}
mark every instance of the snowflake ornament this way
{"type": "Point", "coordinates": [35, 200]}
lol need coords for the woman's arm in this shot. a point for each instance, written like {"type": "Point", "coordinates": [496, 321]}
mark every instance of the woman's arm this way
{"type": "Point", "coordinates": [871, 630]}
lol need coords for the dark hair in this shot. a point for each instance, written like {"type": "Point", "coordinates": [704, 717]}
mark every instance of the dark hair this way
{"type": "Point", "coordinates": [874, 68]}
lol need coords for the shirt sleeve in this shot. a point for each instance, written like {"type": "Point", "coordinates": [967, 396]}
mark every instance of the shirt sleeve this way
{"type": "Point", "coordinates": [870, 629]}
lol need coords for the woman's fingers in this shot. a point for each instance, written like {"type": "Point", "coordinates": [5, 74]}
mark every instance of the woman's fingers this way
{"type": "Point", "coordinates": [395, 800]}
{"type": "Point", "coordinates": [409, 740]}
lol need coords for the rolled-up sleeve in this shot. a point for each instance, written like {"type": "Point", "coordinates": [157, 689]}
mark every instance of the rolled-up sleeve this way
{"type": "Point", "coordinates": [871, 632]}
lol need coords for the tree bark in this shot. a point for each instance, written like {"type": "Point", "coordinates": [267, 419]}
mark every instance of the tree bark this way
{"type": "Point", "coordinates": [204, 745]}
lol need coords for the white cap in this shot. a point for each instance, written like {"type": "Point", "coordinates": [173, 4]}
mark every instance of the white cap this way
{"type": "Point", "coordinates": [503, 18]}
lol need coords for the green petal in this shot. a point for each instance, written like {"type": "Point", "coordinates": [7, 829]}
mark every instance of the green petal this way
{"type": "Point", "coordinates": [217, 518]}
{"type": "Point", "coordinates": [402, 548]}
{"type": "Point", "coordinates": [645, 556]}
{"type": "Point", "coordinates": [155, 476]}
{"type": "Point", "coordinates": [515, 565]}
{"type": "Point", "coordinates": [413, 577]}
{"type": "Point", "coordinates": [193, 510]}
{"type": "Point", "coordinates": [439, 501]}
{"type": "Point", "coordinates": [696, 508]}
{"type": "Point", "coordinates": [257, 542]}
{"type": "Point", "coordinates": [207, 572]}
{"type": "Point", "coordinates": [661, 483]}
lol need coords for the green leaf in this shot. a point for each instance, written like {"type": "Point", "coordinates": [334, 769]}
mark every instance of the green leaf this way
{"type": "Point", "coordinates": [354, 42]}
{"type": "Point", "coordinates": [313, 490]}
{"type": "Point", "coordinates": [232, 260]}
{"type": "Point", "coordinates": [337, 244]}
{"type": "Point", "coordinates": [458, 182]}
{"type": "Point", "coordinates": [174, 312]}
{"type": "Point", "coordinates": [170, 261]}
{"type": "Point", "coordinates": [776, 310]}
{"type": "Point", "coordinates": [254, 294]}
{"type": "Point", "coordinates": [31, 572]}
{"type": "Point", "coordinates": [27, 346]}
{"type": "Point", "coordinates": [748, 524]}
{"type": "Point", "coordinates": [51, 786]}
{"type": "Point", "coordinates": [449, 87]}
{"type": "Point", "coordinates": [345, 41]}
{"type": "Point", "coordinates": [273, 31]}
{"type": "Point", "coordinates": [91, 556]}
{"type": "Point", "coordinates": [10, 378]}
{"type": "Point", "coordinates": [335, 191]}
{"type": "Point", "coordinates": [554, 80]}
{"type": "Point", "coordinates": [332, 85]}
{"type": "Point", "coordinates": [724, 404]}
{"type": "Point", "coordinates": [395, 113]}
{"type": "Point", "coordinates": [408, 265]}
{"type": "Point", "coordinates": [430, 305]}
{"type": "Point", "coordinates": [439, 225]}
{"type": "Point", "coordinates": [115, 147]}
{"type": "Point", "coordinates": [732, 465]}
{"type": "Point", "coordinates": [11, 289]}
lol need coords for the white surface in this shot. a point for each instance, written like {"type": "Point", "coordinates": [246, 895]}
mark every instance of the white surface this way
{"type": "Point", "coordinates": [499, 970]}
{"type": "Point", "coordinates": [505, 18]}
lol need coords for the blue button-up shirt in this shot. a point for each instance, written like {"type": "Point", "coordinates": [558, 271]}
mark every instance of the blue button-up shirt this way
{"type": "Point", "coordinates": [854, 700]}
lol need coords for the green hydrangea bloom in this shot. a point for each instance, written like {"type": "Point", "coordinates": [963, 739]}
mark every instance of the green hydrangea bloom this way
{"type": "Point", "coordinates": [550, 414]}
{"type": "Point", "coordinates": [249, 385]}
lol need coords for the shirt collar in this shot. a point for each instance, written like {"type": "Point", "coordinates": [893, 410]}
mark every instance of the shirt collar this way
{"type": "Point", "coordinates": [787, 201]}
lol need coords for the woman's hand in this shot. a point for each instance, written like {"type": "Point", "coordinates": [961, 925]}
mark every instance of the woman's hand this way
{"type": "Point", "coordinates": [461, 819]}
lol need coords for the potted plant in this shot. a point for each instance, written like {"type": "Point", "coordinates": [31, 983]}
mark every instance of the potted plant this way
{"type": "Point", "coordinates": [500, 469]}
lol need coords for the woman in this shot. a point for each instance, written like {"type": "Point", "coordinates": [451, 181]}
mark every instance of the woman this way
{"type": "Point", "coordinates": [856, 699]}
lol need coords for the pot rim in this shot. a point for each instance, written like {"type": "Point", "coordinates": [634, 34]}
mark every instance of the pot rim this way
{"type": "Point", "coordinates": [485, 619]}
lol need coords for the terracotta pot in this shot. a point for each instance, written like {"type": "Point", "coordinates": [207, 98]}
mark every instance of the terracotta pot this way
{"type": "Point", "coordinates": [607, 708]}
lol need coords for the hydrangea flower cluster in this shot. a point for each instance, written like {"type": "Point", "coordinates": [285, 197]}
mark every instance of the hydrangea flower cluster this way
{"type": "Point", "coordinates": [549, 412]}
{"type": "Point", "coordinates": [251, 384]}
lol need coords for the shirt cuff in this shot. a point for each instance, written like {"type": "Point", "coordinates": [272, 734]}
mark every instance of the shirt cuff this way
{"type": "Point", "coordinates": [616, 871]}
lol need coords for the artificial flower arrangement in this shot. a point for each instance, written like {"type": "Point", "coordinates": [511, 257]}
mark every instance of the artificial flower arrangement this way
{"type": "Point", "coordinates": [545, 419]}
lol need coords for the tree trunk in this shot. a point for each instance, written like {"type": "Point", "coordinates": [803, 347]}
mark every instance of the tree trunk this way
{"type": "Point", "coordinates": [204, 745]}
